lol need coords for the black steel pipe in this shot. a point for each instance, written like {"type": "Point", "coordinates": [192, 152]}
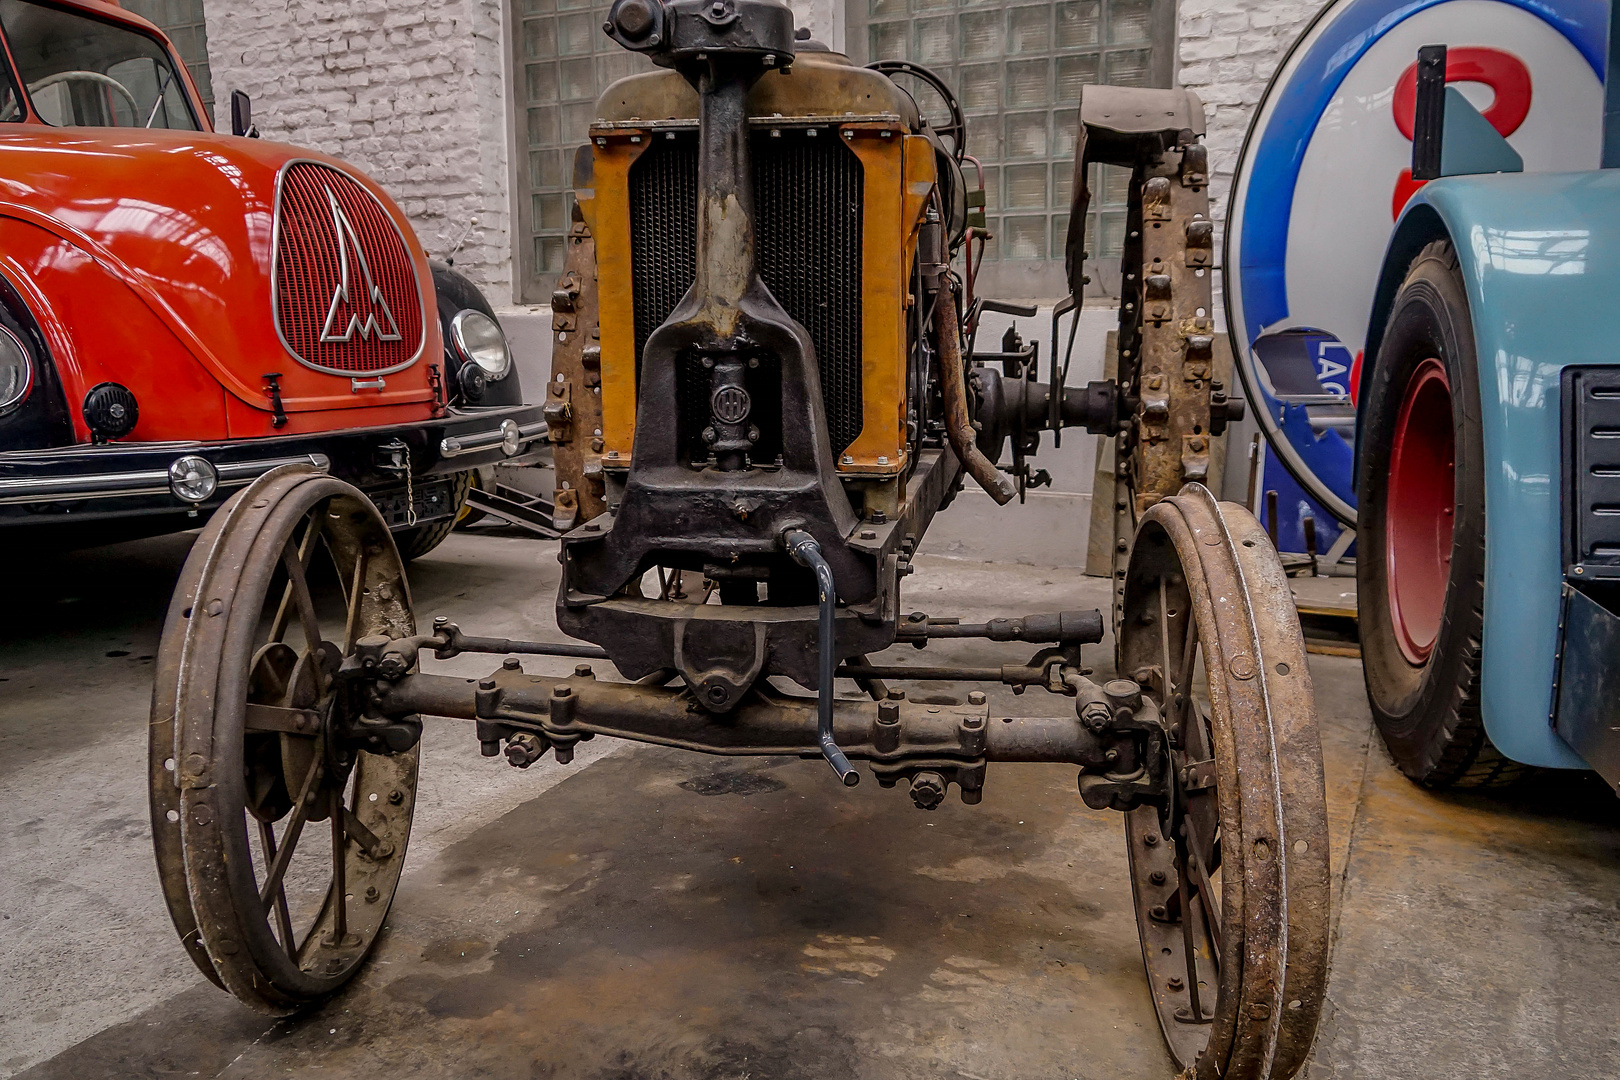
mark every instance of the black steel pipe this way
{"type": "Point", "coordinates": [922, 674]}
{"type": "Point", "coordinates": [1079, 627]}
{"type": "Point", "coordinates": [806, 552]}
{"type": "Point", "coordinates": [466, 644]}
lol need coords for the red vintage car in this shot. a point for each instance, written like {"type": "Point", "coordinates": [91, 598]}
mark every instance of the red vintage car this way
{"type": "Point", "coordinates": [181, 311]}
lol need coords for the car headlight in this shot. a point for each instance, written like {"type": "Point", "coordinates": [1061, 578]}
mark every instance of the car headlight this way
{"type": "Point", "coordinates": [479, 338]}
{"type": "Point", "coordinates": [16, 372]}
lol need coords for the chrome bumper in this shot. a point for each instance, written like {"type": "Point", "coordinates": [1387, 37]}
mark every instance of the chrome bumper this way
{"type": "Point", "coordinates": [511, 437]}
{"type": "Point", "coordinates": [105, 485]}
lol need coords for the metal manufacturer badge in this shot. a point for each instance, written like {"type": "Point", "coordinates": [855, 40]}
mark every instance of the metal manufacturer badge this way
{"type": "Point", "coordinates": [731, 404]}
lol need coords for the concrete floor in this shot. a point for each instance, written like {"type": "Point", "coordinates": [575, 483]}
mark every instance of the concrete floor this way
{"type": "Point", "coordinates": [647, 914]}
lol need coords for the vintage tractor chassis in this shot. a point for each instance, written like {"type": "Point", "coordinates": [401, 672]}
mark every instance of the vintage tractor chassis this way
{"type": "Point", "coordinates": [1206, 741]}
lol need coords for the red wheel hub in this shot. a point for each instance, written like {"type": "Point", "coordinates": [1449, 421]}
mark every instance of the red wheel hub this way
{"type": "Point", "coordinates": [1421, 510]}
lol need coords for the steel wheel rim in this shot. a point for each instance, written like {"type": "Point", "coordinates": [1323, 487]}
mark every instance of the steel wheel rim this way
{"type": "Point", "coordinates": [1420, 517]}
{"type": "Point", "coordinates": [256, 946]}
{"type": "Point", "coordinates": [1260, 845]}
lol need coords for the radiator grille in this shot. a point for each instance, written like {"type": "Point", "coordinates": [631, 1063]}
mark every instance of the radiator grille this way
{"type": "Point", "coordinates": [346, 295]}
{"type": "Point", "coordinates": [808, 207]}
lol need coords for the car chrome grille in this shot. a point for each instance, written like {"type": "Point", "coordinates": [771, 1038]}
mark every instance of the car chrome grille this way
{"type": "Point", "coordinates": [346, 296]}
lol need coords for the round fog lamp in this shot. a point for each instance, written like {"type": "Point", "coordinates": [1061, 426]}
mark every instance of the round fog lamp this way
{"type": "Point", "coordinates": [192, 478]}
{"type": "Point", "coordinates": [479, 339]}
{"type": "Point", "coordinates": [511, 438]}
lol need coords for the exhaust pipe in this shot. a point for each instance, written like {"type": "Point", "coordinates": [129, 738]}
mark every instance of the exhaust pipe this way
{"type": "Point", "coordinates": [958, 426]}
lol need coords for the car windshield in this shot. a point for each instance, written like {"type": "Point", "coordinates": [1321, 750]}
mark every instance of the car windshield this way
{"type": "Point", "coordinates": [85, 72]}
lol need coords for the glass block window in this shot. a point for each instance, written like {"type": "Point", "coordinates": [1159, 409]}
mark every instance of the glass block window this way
{"type": "Point", "coordinates": [1017, 69]}
{"type": "Point", "coordinates": [183, 21]}
{"type": "Point", "coordinates": [564, 61]}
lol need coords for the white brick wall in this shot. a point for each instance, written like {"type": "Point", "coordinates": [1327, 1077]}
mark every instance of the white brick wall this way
{"type": "Point", "coordinates": [412, 93]}
{"type": "Point", "coordinates": [1227, 51]}
{"type": "Point", "coordinates": [415, 94]}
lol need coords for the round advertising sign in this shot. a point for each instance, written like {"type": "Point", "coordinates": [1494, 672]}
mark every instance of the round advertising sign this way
{"type": "Point", "coordinates": [1326, 170]}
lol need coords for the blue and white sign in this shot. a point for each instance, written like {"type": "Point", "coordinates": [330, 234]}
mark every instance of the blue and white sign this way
{"type": "Point", "coordinates": [1326, 170]}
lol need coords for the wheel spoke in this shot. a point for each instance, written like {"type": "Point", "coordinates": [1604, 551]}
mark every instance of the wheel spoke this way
{"type": "Point", "coordinates": [1208, 901]}
{"type": "Point", "coordinates": [306, 555]}
{"type": "Point", "coordinates": [1164, 645]}
{"type": "Point", "coordinates": [276, 718]}
{"type": "Point", "coordinates": [1185, 707]}
{"type": "Point", "coordinates": [295, 828]}
{"type": "Point", "coordinates": [1188, 943]}
{"type": "Point", "coordinates": [351, 624]}
{"type": "Point", "coordinates": [367, 840]}
{"type": "Point", "coordinates": [267, 837]}
{"type": "Point", "coordinates": [299, 584]}
{"type": "Point", "coordinates": [340, 852]}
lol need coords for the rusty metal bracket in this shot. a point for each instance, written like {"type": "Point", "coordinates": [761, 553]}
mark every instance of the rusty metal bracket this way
{"type": "Point", "coordinates": [574, 396]}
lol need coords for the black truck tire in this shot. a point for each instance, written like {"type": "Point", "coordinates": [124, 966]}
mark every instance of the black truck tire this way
{"type": "Point", "coordinates": [1420, 564]}
{"type": "Point", "coordinates": [415, 542]}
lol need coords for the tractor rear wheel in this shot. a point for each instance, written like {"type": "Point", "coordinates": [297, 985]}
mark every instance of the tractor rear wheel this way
{"type": "Point", "coordinates": [1421, 568]}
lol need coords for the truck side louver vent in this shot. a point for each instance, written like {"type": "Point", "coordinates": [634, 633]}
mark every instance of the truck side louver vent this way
{"type": "Point", "coordinates": [808, 195]}
{"type": "Point", "coordinates": [1592, 472]}
{"type": "Point", "coordinates": [343, 286]}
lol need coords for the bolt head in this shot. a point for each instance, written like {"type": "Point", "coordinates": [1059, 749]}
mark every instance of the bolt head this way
{"type": "Point", "coordinates": [976, 697]}
{"type": "Point", "coordinates": [511, 663]}
{"type": "Point", "coordinates": [583, 671]}
{"type": "Point", "coordinates": [634, 18]}
{"type": "Point", "coordinates": [927, 790]}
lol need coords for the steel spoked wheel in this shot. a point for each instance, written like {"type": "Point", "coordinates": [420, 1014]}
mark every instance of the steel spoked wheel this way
{"type": "Point", "coordinates": [280, 812]}
{"type": "Point", "coordinates": [1230, 876]}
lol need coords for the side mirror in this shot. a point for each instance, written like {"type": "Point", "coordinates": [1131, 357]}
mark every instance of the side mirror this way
{"type": "Point", "coordinates": [242, 115]}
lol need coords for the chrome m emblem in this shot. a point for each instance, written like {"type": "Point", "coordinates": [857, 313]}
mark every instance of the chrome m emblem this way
{"type": "Point", "coordinates": [343, 299]}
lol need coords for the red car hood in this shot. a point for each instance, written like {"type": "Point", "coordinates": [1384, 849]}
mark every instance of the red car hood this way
{"type": "Point", "coordinates": [186, 219]}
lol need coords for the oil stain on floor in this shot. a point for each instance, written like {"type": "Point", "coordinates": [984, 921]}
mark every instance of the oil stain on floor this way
{"type": "Point", "coordinates": [657, 916]}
